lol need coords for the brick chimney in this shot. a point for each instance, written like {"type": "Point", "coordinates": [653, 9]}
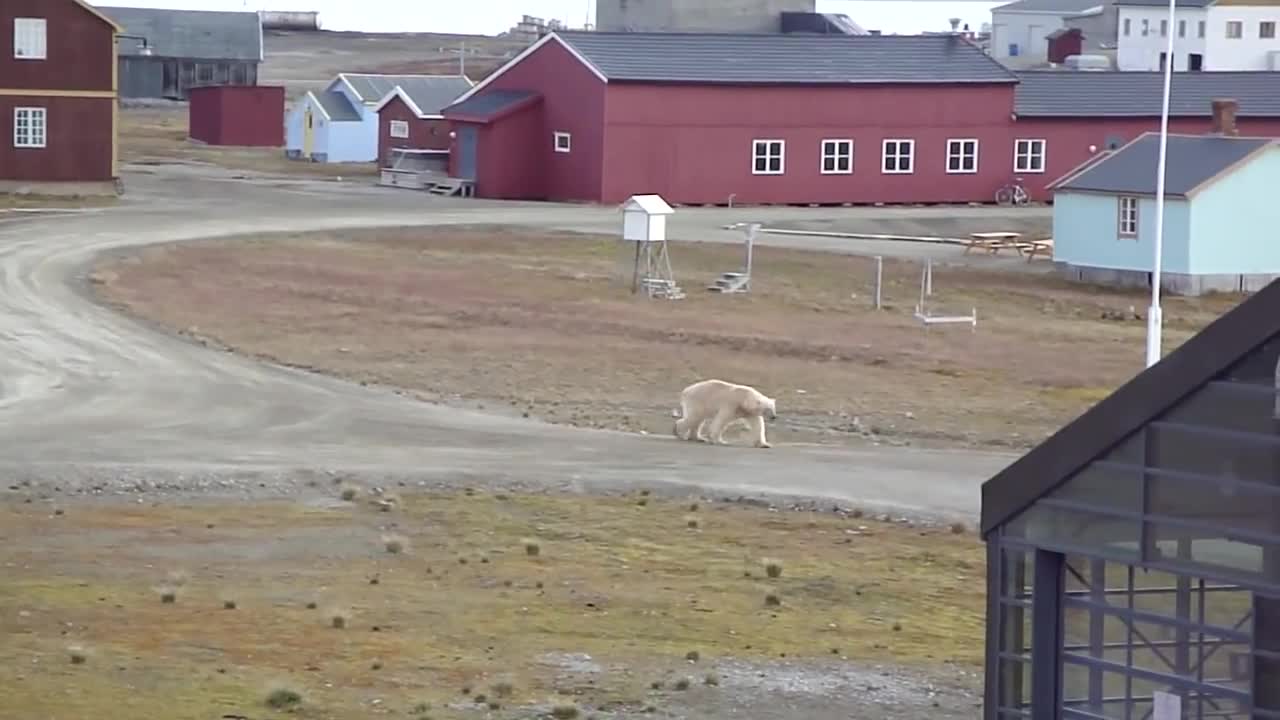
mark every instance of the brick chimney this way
{"type": "Point", "coordinates": [1224, 116]}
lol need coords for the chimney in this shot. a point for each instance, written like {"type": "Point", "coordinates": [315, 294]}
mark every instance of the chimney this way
{"type": "Point", "coordinates": [1224, 117]}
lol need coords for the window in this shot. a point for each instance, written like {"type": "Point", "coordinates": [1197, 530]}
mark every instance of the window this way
{"type": "Point", "coordinates": [29, 38]}
{"type": "Point", "coordinates": [897, 156]}
{"type": "Point", "coordinates": [1235, 29]}
{"type": "Point", "coordinates": [1128, 27]}
{"type": "Point", "coordinates": [1267, 30]}
{"type": "Point", "coordinates": [399, 129]}
{"type": "Point", "coordinates": [29, 127]}
{"type": "Point", "coordinates": [563, 142]}
{"type": "Point", "coordinates": [1146, 27]}
{"type": "Point", "coordinates": [766, 157]}
{"type": "Point", "coordinates": [837, 157]}
{"type": "Point", "coordinates": [1164, 28]}
{"type": "Point", "coordinates": [1028, 156]}
{"type": "Point", "coordinates": [962, 156]}
{"type": "Point", "coordinates": [1200, 29]}
{"type": "Point", "coordinates": [1128, 216]}
{"type": "Point", "coordinates": [1182, 28]}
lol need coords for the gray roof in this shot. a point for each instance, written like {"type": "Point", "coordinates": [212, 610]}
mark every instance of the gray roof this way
{"type": "Point", "coordinates": [487, 104]}
{"type": "Point", "coordinates": [337, 106]}
{"type": "Point", "coordinates": [1113, 93]}
{"type": "Point", "coordinates": [1063, 7]}
{"type": "Point", "coordinates": [791, 59]}
{"type": "Point", "coordinates": [1192, 160]}
{"type": "Point", "coordinates": [194, 34]}
{"type": "Point", "coordinates": [1165, 3]}
{"type": "Point", "coordinates": [431, 88]}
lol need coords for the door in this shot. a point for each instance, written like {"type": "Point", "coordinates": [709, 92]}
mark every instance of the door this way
{"type": "Point", "coordinates": [308, 136]}
{"type": "Point", "coordinates": [466, 166]}
{"type": "Point", "coordinates": [1195, 62]}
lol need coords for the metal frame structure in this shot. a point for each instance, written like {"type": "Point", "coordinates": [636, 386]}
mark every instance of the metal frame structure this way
{"type": "Point", "coordinates": [1147, 567]}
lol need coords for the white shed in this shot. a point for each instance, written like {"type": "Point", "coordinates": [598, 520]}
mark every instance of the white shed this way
{"type": "Point", "coordinates": [644, 218]}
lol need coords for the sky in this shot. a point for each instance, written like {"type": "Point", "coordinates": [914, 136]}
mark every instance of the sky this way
{"type": "Point", "coordinates": [489, 17]}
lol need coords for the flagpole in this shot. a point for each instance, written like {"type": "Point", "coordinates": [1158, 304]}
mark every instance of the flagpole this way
{"type": "Point", "coordinates": [1154, 315]}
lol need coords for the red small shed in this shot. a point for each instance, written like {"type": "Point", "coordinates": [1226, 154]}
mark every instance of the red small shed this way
{"type": "Point", "coordinates": [250, 115]}
{"type": "Point", "coordinates": [1063, 43]}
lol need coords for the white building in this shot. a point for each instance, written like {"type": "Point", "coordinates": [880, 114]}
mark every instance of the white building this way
{"type": "Point", "coordinates": [1207, 35]}
{"type": "Point", "coordinates": [1019, 29]}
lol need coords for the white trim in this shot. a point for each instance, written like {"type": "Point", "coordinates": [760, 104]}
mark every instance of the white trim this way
{"type": "Point", "coordinates": [962, 155]}
{"type": "Point", "coordinates": [342, 78]}
{"type": "Point", "coordinates": [398, 91]}
{"type": "Point", "coordinates": [526, 53]}
{"type": "Point", "coordinates": [1044, 154]}
{"type": "Point", "coordinates": [44, 127]}
{"type": "Point", "coordinates": [911, 157]}
{"type": "Point", "coordinates": [782, 156]}
{"type": "Point", "coordinates": [391, 129]}
{"type": "Point", "coordinates": [822, 156]}
{"type": "Point", "coordinates": [1121, 216]}
{"type": "Point", "coordinates": [315, 101]}
{"type": "Point", "coordinates": [555, 141]}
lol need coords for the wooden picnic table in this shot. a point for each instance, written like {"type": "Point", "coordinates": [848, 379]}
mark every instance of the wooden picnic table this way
{"type": "Point", "coordinates": [994, 242]}
{"type": "Point", "coordinates": [1044, 246]}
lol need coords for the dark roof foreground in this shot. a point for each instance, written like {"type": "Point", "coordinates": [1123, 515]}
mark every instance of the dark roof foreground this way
{"type": "Point", "coordinates": [1134, 405]}
{"type": "Point", "coordinates": [1192, 161]}
{"type": "Point", "coordinates": [489, 105]}
{"type": "Point", "coordinates": [790, 59]}
{"type": "Point", "coordinates": [1115, 93]}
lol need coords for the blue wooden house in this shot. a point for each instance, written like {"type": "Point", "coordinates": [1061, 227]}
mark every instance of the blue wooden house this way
{"type": "Point", "coordinates": [1222, 215]}
{"type": "Point", "coordinates": [340, 123]}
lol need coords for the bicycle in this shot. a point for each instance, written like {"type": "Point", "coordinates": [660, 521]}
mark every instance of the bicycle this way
{"type": "Point", "coordinates": [1013, 194]}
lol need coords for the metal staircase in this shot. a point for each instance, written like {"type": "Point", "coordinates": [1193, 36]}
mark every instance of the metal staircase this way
{"type": "Point", "coordinates": [731, 282]}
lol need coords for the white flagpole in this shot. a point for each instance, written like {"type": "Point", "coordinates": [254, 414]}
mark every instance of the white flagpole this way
{"type": "Point", "coordinates": [1154, 320]}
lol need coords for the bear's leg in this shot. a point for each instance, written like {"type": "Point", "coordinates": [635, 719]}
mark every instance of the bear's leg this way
{"type": "Point", "coordinates": [718, 425]}
{"type": "Point", "coordinates": [757, 424]}
{"type": "Point", "coordinates": [701, 435]}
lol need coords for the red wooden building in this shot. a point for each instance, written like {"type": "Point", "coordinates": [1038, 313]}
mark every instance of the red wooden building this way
{"type": "Point", "coordinates": [240, 115]}
{"type": "Point", "coordinates": [58, 83]}
{"type": "Point", "coordinates": [409, 116]}
{"type": "Point", "coordinates": [705, 118]}
{"type": "Point", "coordinates": [714, 118]}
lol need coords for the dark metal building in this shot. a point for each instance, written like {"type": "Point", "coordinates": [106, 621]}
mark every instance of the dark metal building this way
{"type": "Point", "coordinates": [164, 53]}
{"type": "Point", "coordinates": [1134, 557]}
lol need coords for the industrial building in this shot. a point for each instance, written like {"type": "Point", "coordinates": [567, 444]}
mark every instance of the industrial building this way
{"type": "Point", "coordinates": [1133, 558]}
{"type": "Point", "coordinates": [58, 115]}
{"type": "Point", "coordinates": [164, 53]}
{"type": "Point", "coordinates": [724, 16]}
{"type": "Point", "coordinates": [717, 118]}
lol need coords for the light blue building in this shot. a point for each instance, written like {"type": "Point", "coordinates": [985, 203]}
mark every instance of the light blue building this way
{"type": "Point", "coordinates": [1222, 215]}
{"type": "Point", "coordinates": [340, 123]}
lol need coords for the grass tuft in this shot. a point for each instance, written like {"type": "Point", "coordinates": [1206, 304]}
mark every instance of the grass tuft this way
{"type": "Point", "coordinates": [682, 684]}
{"type": "Point", "coordinates": [168, 595]}
{"type": "Point", "coordinates": [773, 568]}
{"type": "Point", "coordinates": [283, 698]}
{"type": "Point", "coordinates": [565, 712]}
{"type": "Point", "coordinates": [958, 528]}
{"type": "Point", "coordinates": [532, 548]}
{"type": "Point", "coordinates": [395, 544]}
{"type": "Point", "coordinates": [711, 680]}
{"type": "Point", "coordinates": [349, 492]}
{"type": "Point", "coordinates": [77, 655]}
{"type": "Point", "coordinates": [338, 619]}
{"type": "Point", "coordinates": [772, 600]}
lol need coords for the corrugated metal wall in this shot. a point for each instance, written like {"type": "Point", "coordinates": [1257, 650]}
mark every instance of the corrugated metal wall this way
{"type": "Point", "coordinates": [154, 77]}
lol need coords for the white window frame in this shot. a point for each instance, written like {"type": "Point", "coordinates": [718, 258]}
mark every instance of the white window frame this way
{"type": "Point", "coordinates": [30, 38]}
{"type": "Point", "coordinates": [839, 151]}
{"type": "Point", "coordinates": [562, 141]}
{"type": "Point", "coordinates": [956, 149]}
{"type": "Point", "coordinates": [1267, 24]}
{"type": "Point", "coordinates": [399, 129]}
{"type": "Point", "coordinates": [898, 156]}
{"type": "Point", "coordinates": [1024, 150]}
{"type": "Point", "coordinates": [1238, 27]}
{"type": "Point", "coordinates": [1127, 216]}
{"type": "Point", "coordinates": [768, 145]}
{"type": "Point", "coordinates": [31, 140]}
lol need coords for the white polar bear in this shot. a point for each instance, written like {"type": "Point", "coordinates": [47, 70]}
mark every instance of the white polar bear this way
{"type": "Point", "coordinates": [721, 404]}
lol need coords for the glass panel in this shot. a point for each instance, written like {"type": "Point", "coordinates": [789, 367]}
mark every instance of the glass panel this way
{"type": "Point", "coordinates": [1054, 527]}
{"type": "Point", "coordinates": [1113, 487]}
{"type": "Point", "coordinates": [1194, 547]}
{"type": "Point", "coordinates": [1016, 573]}
{"type": "Point", "coordinates": [1226, 504]}
{"type": "Point", "coordinates": [1015, 684]}
{"type": "Point", "coordinates": [1015, 636]}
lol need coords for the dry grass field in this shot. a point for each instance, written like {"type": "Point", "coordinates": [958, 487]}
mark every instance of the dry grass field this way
{"type": "Point", "coordinates": [359, 603]}
{"type": "Point", "coordinates": [540, 324]}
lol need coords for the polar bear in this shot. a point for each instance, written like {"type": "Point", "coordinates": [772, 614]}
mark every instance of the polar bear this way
{"type": "Point", "coordinates": [721, 404]}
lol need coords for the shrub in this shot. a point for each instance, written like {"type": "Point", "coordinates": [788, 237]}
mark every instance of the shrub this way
{"type": "Point", "coordinates": [395, 544]}
{"type": "Point", "coordinates": [564, 712]}
{"type": "Point", "coordinates": [77, 655]}
{"type": "Point", "coordinates": [349, 492]}
{"type": "Point", "coordinates": [711, 680]}
{"type": "Point", "coordinates": [532, 548]}
{"type": "Point", "coordinates": [772, 600]}
{"type": "Point", "coordinates": [773, 569]}
{"type": "Point", "coordinates": [281, 698]}
{"type": "Point", "coordinates": [682, 684]}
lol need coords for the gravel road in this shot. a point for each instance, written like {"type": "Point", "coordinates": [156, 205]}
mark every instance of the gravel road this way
{"type": "Point", "coordinates": [89, 398]}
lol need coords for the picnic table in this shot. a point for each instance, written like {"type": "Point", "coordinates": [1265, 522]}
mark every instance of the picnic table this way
{"type": "Point", "coordinates": [994, 242]}
{"type": "Point", "coordinates": [1043, 246]}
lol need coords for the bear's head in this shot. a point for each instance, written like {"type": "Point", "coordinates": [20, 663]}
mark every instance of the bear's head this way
{"type": "Point", "coordinates": [771, 408]}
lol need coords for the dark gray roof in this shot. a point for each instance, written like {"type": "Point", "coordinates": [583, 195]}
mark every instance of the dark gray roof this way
{"type": "Point", "coordinates": [1051, 93]}
{"type": "Point", "coordinates": [1064, 7]}
{"type": "Point", "coordinates": [791, 59]}
{"type": "Point", "coordinates": [196, 34]}
{"type": "Point", "coordinates": [372, 88]}
{"type": "Point", "coordinates": [433, 94]}
{"type": "Point", "coordinates": [490, 103]}
{"type": "Point", "coordinates": [338, 107]}
{"type": "Point", "coordinates": [1165, 3]}
{"type": "Point", "coordinates": [1192, 160]}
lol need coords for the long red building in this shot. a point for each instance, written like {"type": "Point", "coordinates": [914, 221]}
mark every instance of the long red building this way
{"type": "Point", "coordinates": [718, 118]}
{"type": "Point", "coordinates": [58, 87]}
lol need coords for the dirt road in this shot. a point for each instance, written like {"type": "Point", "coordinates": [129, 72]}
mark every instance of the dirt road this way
{"type": "Point", "coordinates": [91, 398]}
